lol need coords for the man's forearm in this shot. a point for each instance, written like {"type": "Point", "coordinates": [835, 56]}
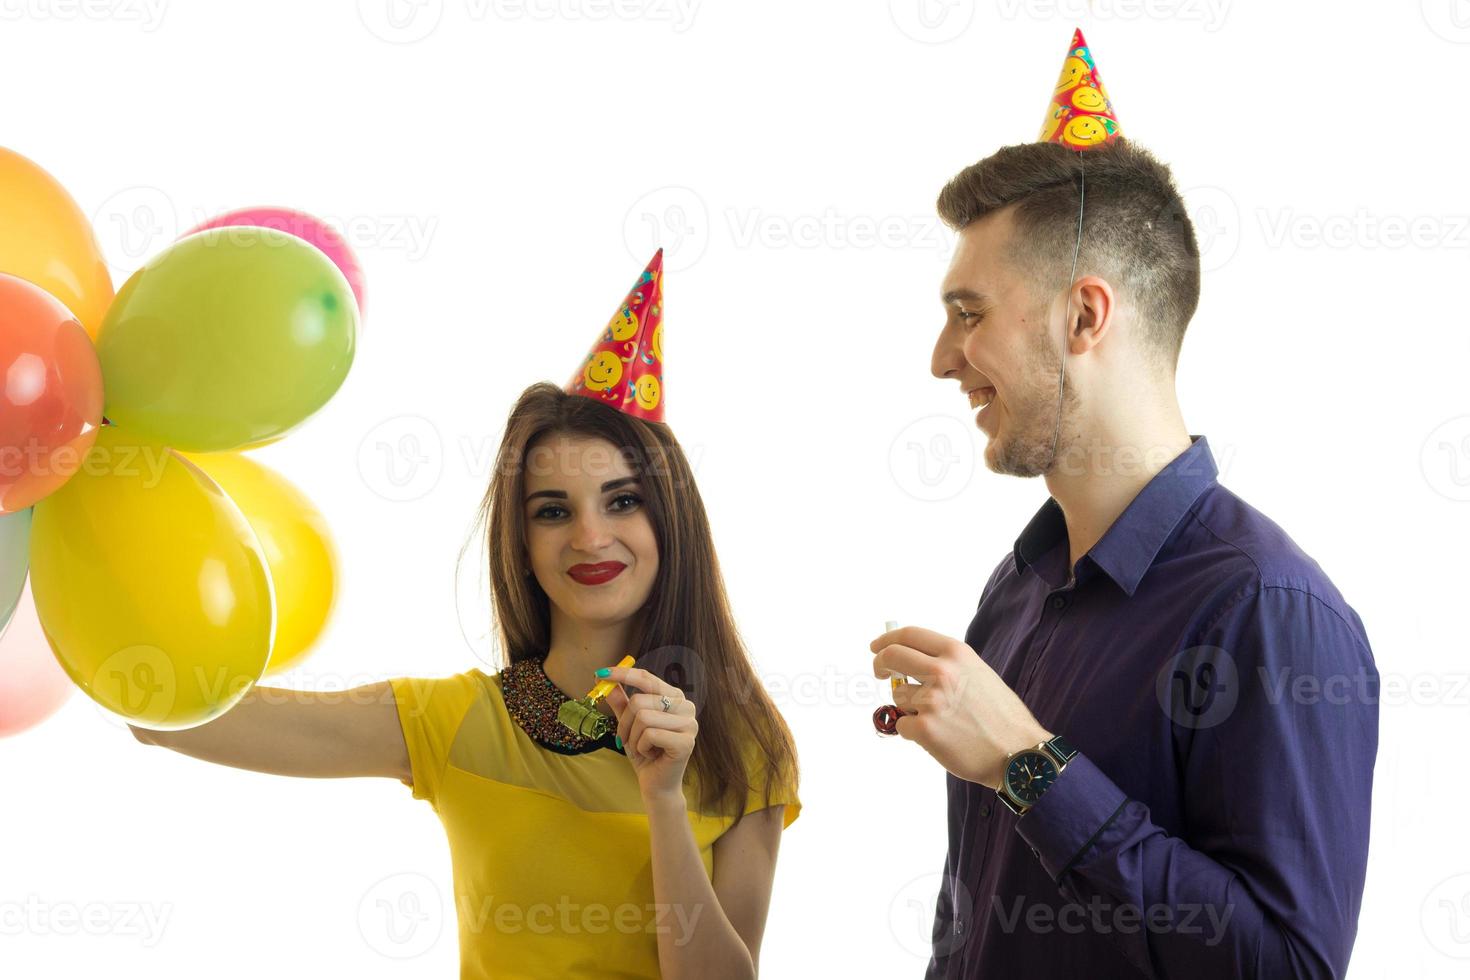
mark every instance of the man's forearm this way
{"type": "Point", "coordinates": [1172, 909]}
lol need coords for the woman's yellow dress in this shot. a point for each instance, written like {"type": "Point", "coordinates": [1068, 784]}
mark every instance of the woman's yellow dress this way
{"type": "Point", "coordinates": [550, 849]}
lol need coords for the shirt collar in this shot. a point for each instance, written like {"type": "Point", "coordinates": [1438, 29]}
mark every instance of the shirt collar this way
{"type": "Point", "coordinates": [1130, 544]}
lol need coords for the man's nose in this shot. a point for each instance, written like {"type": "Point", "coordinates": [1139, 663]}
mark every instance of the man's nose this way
{"type": "Point", "coordinates": [948, 359]}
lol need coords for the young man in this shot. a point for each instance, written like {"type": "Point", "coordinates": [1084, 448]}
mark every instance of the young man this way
{"type": "Point", "coordinates": [1140, 782]}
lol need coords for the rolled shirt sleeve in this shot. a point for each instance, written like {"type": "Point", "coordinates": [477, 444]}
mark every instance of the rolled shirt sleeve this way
{"type": "Point", "coordinates": [1275, 727]}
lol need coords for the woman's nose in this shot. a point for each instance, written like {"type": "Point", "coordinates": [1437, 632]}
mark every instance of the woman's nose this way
{"type": "Point", "coordinates": [590, 533]}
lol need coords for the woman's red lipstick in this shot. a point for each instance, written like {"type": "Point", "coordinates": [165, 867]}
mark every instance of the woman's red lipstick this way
{"type": "Point", "coordinates": [596, 574]}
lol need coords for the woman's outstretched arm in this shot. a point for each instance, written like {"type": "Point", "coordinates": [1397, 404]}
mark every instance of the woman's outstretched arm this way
{"type": "Point", "coordinates": [320, 734]}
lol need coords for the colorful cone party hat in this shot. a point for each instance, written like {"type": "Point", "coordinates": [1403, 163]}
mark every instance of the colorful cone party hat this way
{"type": "Point", "coordinates": [1080, 114]}
{"type": "Point", "coordinates": [625, 368]}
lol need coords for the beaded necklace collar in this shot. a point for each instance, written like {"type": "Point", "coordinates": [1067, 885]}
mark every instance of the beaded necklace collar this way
{"type": "Point", "coordinates": [533, 701]}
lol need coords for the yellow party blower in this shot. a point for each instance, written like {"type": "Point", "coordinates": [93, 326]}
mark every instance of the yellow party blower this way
{"type": "Point", "coordinates": [582, 716]}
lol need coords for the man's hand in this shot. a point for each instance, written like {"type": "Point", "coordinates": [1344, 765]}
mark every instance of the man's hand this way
{"type": "Point", "coordinates": [961, 712]}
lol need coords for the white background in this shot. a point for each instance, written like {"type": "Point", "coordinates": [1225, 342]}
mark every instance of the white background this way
{"type": "Point", "coordinates": [505, 171]}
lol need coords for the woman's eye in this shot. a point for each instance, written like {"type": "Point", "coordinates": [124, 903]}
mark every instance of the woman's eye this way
{"type": "Point", "coordinates": [555, 512]}
{"type": "Point", "coordinates": [626, 501]}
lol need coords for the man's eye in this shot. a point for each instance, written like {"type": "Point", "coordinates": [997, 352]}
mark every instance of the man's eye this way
{"type": "Point", "coordinates": [967, 317]}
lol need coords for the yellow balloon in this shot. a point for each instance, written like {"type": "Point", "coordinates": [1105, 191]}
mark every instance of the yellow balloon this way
{"type": "Point", "coordinates": [150, 586]}
{"type": "Point", "coordinates": [297, 544]}
{"type": "Point", "coordinates": [45, 238]}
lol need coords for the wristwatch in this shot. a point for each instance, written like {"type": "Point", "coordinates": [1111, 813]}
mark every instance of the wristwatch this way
{"type": "Point", "coordinates": [1028, 773]}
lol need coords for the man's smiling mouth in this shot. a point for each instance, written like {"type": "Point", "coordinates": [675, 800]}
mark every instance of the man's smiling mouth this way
{"type": "Point", "coordinates": [981, 397]}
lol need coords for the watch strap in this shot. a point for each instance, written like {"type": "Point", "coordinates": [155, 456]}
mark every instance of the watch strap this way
{"type": "Point", "coordinates": [1061, 748]}
{"type": "Point", "coordinates": [1010, 805]}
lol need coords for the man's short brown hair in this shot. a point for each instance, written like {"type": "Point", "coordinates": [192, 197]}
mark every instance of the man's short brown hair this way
{"type": "Point", "coordinates": [1135, 230]}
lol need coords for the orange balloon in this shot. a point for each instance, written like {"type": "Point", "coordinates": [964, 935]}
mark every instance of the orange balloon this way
{"type": "Point", "coordinates": [50, 394]}
{"type": "Point", "coordinates": [46, 239]}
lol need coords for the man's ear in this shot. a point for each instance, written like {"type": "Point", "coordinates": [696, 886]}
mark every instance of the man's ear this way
{"type": "Point", "coordinates": [1094, 307]}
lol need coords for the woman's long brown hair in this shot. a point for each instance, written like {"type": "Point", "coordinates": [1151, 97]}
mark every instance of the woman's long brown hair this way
{"type": "Point", "coordinates": [685, 633]}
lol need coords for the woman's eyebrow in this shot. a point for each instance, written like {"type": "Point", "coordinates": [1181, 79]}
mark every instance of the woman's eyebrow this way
{"type": "Point", "coordinates": [562, 494]}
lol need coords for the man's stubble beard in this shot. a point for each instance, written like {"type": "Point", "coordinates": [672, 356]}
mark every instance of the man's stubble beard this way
{"type": "Point", "coordinates": [1024, 446]}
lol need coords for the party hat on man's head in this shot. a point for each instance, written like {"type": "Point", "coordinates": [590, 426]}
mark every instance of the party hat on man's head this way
{"type": "Point", "coordinates": [1080, 114]}
{"type": "Point", "coordinates": [625, 368]}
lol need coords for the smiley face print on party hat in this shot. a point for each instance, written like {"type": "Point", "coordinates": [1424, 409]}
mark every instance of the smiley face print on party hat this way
{"type": "Point", "coordinates": [1080, 114]}
{"type": "Point", "coordinates": [625, 368]}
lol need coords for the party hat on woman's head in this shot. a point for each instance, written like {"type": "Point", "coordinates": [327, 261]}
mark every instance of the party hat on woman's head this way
{"type": "Point", "coordinates": [625, 368]}
{"type": "Point", "coordinates": [1080, 114]}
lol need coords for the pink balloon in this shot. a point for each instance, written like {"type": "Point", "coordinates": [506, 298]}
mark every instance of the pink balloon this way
{"type": "Point", "coordinates": [305, 227]}
{"type": "Point", "coordinates": [32, 684]}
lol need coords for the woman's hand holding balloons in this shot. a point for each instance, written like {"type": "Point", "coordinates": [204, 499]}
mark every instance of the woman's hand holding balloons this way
{"type": "Point", "coordinates": [659, 741]}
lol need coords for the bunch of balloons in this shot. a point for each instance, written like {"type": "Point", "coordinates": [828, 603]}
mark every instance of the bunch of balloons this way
{"type": "Point", "coordinates": [143, 557]}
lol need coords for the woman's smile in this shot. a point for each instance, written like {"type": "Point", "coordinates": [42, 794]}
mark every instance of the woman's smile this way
{"type": "Point", "coordinates": [598, 574]}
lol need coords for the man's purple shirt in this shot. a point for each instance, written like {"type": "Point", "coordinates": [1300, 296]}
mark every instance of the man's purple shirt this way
{"type": "Point", "coordinates": [1223, 700]}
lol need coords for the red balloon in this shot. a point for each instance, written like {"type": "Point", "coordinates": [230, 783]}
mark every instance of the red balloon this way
{"type": "Point", "coordinates": [50, 393]}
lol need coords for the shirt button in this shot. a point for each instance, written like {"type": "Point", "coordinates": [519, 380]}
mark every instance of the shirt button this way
{"type": "Point", "coordinates": [985, 810]}
{"type": "Point", "coordinates": [1058, 602]}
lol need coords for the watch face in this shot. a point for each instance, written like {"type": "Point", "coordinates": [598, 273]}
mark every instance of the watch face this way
{"type": "Point", "coordinates": [1028, 774]}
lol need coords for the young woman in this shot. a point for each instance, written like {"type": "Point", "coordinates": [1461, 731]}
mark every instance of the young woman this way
{"type": "Point", "coordinates": [648, 851]}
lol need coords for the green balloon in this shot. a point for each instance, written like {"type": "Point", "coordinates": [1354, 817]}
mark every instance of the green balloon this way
{"type": "Point", "coordinates": [228, 337]}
